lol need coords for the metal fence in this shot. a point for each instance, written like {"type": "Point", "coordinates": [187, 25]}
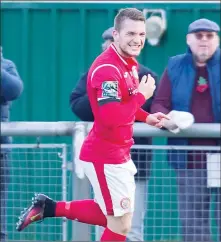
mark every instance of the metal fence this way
{"type": "Point", "coordinates": [48, 168]}
{"type": "Point", "coordinates": [36, 169]}
{"type": "Point", "coordinates": [162, 221]}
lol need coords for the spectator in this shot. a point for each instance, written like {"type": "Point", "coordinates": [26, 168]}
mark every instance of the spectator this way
{"type": "Point", "coordinates": [191, 82]}
{"type": "Point", "coordinates": [11, 89]}
{"type": "Point", "coordinates": [81, 107]}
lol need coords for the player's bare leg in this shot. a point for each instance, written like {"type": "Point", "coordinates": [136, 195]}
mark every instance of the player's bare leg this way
{"type": "Point", "coordinates": [117, 228]}
{"type": "Point", "coordinates": [120, 225]}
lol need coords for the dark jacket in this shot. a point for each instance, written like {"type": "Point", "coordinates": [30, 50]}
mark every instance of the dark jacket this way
{"type": "Point", "coordinates": [11, 89]}
{"type": "Point", "coordinates": [180, 69]}
{"type": "Point", "coordinates": [80, 106]}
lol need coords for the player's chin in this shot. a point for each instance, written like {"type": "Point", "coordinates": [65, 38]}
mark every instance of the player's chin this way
{"type": "Point", "coordinates": [134, 53]}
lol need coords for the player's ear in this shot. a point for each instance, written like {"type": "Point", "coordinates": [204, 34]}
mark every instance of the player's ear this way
{"type": "Point", "coordinates": [116, 35]}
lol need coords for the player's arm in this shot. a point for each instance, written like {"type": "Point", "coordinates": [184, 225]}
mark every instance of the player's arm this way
{"type": "Point", "coordinates": [143, 112]}
{"type": "Point", "coordinates": [141, 115]}
{"type": "Point", "coordinates": [112, 111]}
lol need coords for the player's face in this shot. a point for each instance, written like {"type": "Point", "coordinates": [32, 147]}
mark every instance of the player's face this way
{"type": "Point", "coordinates": [130, 38]}
{"type": "Point", "coordinates": [203, 45]}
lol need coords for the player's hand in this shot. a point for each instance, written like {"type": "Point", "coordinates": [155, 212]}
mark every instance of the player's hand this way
{"type": "Point", "coordinates": [147, 86]}
{"type": "Point", "coordinates": [156, 119]}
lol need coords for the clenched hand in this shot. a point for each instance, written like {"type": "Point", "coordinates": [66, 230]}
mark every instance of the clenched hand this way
{"type": "Point", "coordinates": [147, 86]}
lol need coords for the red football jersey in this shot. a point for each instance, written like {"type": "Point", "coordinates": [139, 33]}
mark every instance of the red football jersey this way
{"type": "Point", "coordinates": [116, 103]}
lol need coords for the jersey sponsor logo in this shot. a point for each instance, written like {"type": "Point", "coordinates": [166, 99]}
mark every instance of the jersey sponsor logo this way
{"type": "Point", "coordinates": [134, 72]}
{"type": "Point", "coordinates": [125, 74]}
{"type": "Point", "coordinates": [132, 91]}
{"type": "Point", "coordinates": [125, 203]}
{"type": "Point", "coordinates": [110, 89]}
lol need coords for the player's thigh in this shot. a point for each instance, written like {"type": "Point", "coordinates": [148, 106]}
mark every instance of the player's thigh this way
{"type": "Point", "coordinates": [92, 176]}
{"type": "Point", "coordinates": [121, 185]}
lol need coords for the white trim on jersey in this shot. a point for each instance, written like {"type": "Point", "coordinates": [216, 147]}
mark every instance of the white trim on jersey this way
{"type": "Point", "coordinates": [98, 67]}
{"type": "Point", "coordinates": [118, 54]}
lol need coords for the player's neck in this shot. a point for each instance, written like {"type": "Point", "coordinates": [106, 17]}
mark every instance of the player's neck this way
{"type": "Point", "coordinates": [120, 52]}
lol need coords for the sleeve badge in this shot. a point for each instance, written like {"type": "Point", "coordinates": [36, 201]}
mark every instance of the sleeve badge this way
{"type": "Point", "coordinates": [110, 89]}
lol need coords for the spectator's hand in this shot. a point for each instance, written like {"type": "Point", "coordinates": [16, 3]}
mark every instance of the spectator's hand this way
{"type": "Point", "coordinates": [156, 119]}
{"type": "Point", "coordinates": [147, 86]}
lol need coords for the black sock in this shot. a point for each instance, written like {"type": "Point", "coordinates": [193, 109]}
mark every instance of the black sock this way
{"type": "Point", "coordinates": [50, 207]}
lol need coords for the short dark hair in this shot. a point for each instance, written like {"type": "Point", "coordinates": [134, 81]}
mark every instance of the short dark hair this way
{"type": "Point", "coordinates": [128, 13]}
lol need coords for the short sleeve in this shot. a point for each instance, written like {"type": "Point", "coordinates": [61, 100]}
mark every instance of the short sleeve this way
{"type": "Point", "coordinates": [106, 80]}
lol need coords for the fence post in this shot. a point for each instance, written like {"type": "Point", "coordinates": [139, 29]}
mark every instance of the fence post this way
{"type": "Point", "coordinates": [64, 188]}
{"type": "Point", "coordinates": [81, 187]}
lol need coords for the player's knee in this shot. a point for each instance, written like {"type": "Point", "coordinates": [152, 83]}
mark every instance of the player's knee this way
{"type": "Point", "coordinates": [120, 225]}
{"type": "Point", "coordinates": [126, 227]}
